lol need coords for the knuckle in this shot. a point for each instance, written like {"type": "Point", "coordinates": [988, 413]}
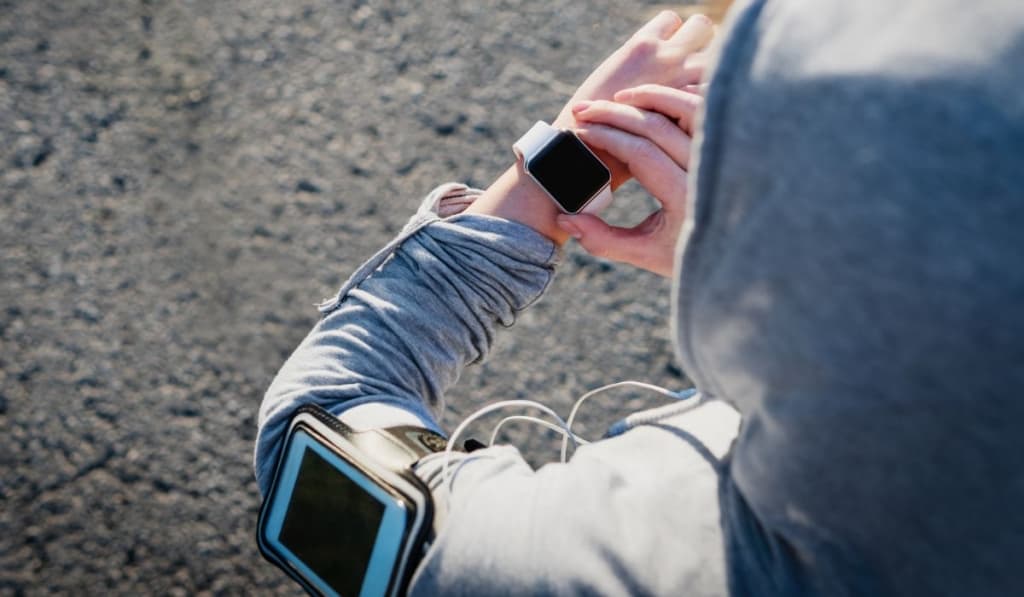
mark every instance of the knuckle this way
{"type": "Point", "coordinates": [644, 151]}
{"type": "Point", "coordinates": [675, 56]}
{"type": "Point", "coordinates": [598, 247]}
{"type": "Point", "coordinates": [670, 15]}
{"type": "Point", "coordinates": [660, 126]}
{"type": "Point", "coordinates": [607, 252]}
{"type": "Point", "coordinates": [644, 47]}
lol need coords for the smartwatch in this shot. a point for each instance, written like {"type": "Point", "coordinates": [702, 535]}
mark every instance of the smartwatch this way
{"type": "Point", "coordinates": [345, 515]}
{"type": "Point", "coordinates": [565, 168]}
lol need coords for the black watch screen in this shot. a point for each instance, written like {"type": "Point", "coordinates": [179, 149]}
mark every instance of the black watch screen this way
{"type": "Point", "coordinates": [568, 171]}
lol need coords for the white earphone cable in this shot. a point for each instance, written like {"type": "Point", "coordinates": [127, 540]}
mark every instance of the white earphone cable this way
{"type": "Point", "coordinates": [560, 426]}
{"type": "Point", "coordinates": [446, 473]}
{"type": "Point", "coordinates": [497, 428]}
{"type": "Point", "coordinates": [682, 395]}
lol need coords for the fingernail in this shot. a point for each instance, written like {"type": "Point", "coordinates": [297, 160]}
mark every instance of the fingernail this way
{"type": "Point", "coordinates": [623, 96]}
{"type": "Point", "coordinates": [580, 106]}
{"type": "Point", "coordinates": [566, 224]}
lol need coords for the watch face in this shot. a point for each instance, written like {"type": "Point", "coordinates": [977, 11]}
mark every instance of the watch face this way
{"type": "Point", "coordinates": [568, 171]}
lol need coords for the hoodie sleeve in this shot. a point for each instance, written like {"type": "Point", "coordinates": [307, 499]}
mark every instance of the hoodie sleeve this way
{"type": "Point", "coordinates": [402, 328]}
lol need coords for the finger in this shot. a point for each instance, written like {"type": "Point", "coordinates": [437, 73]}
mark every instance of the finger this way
{"type": "Point", "coordinates": [662, 26]}
{"type": "Point", "coordinates": [693, 69]}
{"type": "Point", "coordinates": [456, 206]}
{"type": "Point", "coordinates": [663, 178]}
{"type": "Point", "coordinates": [697, 89]}
{"type": "Point", "coordinates": [641, 245]}
{"type": "Point", "coordinates": [679, 105]}
{"type": "Point", "coordinates": [694, 35]}
{"type": "Point", "coordinates": [665, 133]}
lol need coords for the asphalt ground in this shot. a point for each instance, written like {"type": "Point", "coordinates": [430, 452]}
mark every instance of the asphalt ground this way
{"type": "Point", "coordinates": [181, 181]}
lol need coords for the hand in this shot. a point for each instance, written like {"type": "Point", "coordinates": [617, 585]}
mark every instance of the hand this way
{"type": "Point", "coordinates": [663, 52]}
{"type": "Point", "coordinates": [648, 130]}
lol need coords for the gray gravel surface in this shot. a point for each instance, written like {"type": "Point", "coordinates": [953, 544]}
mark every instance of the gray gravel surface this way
{"type": "Point", "coordinates": [181, 181]}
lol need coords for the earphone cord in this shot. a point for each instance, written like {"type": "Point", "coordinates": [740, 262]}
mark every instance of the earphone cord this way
{"type": "Point", "coordinates": [452, 441]}
{"type": "Point", "coordinates": [577, 440]}
{"type": "Point", "coordinates": [680, 395]}
{"type": "Point", "coordinates": [561, 426]}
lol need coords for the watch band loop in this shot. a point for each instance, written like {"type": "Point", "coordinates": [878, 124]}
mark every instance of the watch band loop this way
{"type": "Point", "coordinates": [539, 135]}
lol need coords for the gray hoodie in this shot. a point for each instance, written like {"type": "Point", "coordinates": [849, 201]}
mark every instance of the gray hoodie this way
{"type": "Point", "coordinates": [848, 279]}
{"type": "Point", "coordinates": [852, 281]}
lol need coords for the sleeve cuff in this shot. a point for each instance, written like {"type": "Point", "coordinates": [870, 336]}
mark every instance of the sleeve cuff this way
{"type": "Point", "coordinates": [446, 204]}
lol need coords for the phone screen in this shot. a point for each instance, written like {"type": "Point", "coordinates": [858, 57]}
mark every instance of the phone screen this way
{"type": "Point", "coordinates": [327, 523]}
{"type": "Point", "coordinates": [331, 524]}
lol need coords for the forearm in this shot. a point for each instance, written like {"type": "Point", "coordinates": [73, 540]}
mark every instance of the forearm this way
{"type": "Point", "coordinates": [403, 333]}
{"type": "Point", "coordinates": [513, 196]}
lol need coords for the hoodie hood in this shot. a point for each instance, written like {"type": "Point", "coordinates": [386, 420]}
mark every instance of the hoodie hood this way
{"type": "Point", "coordinates": [852, 278]}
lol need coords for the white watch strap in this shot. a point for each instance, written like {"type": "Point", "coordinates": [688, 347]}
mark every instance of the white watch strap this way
{"type": "Point", "coordinates": [539, 135]}
{"type": "Point", "coordinates": [599, 202]}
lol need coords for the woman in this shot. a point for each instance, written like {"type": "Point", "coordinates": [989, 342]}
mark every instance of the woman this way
{"type": "Point", "coordinates": [847, 277]}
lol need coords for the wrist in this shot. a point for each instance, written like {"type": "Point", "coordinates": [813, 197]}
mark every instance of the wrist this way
{"type": "Point", "coordinates": [515, 196]}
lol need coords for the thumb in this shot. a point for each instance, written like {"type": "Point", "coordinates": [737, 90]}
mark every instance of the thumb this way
{"type": "Point", "coordinates": [600, 239]}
